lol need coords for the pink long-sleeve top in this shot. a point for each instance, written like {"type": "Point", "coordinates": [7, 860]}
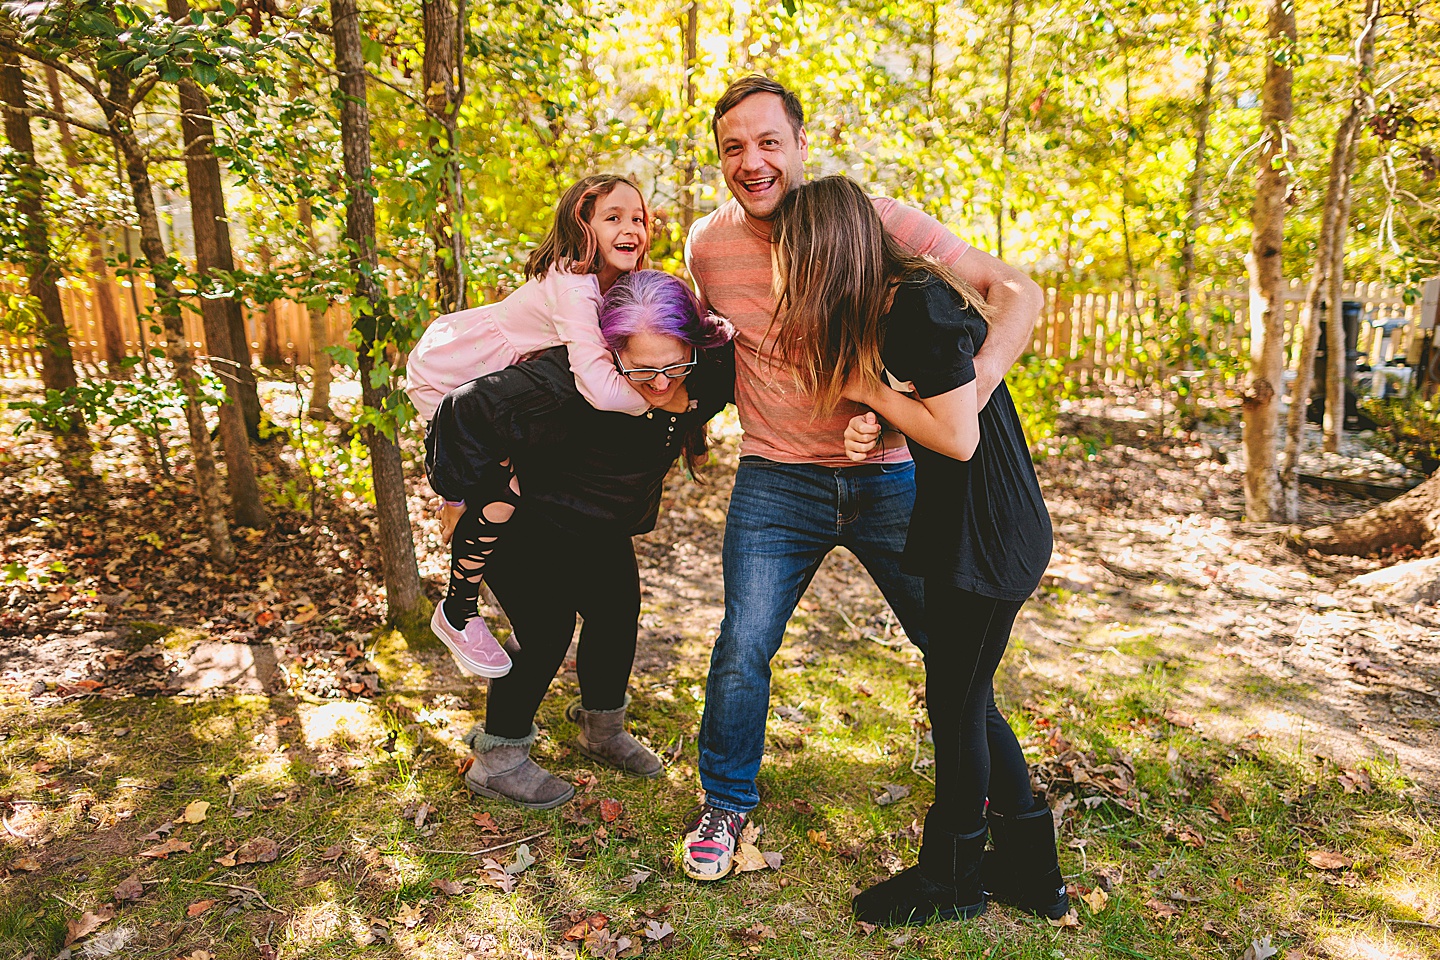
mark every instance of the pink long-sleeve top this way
{"type": "Point", "coordinates": [558, 308]}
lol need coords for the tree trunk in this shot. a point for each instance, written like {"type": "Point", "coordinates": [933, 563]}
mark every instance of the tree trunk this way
{"type": "Point", "coordinates": [112, 337]}
{"type": "Point", "coordinates": [397, 548]}
{"type": "Point", "coordinates": [1362, 105]}
{"type": "Point", "coordinates": [177, 350]}
{"type": "Point", "coordinates": [212, 253]}
{"type": "Point", "coordinates": [270, 355]}
{"type": "Point", "coordinates": [1004, 184]}
{"type": "Point", "coordinates": [690, 33]}
{"type": "Point", "coordinates": [1261, 403]}
{"type": "Point", "coordinates": [57, 367]}
{"type": "Point", "coordinates": [320, 359]}
{"type": "Point", "coordinates": [1412, 519]}
{"type": "Point", "coordinates": [440, 68]}
{"type": "Point", "coordinates": [1203, 111]}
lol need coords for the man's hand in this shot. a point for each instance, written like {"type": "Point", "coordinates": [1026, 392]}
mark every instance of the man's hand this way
{"type": "Point", "coordinates": [861, 435]}
{"type": "Point", "coordinates": [449, 516]}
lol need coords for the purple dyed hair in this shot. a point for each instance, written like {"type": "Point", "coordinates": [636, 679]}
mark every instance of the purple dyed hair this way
{"type": "Point", "coordinates": [651, 301]}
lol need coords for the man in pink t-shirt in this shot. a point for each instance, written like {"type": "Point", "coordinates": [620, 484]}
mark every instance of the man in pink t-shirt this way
{"type": "Point", "coordinates": [796, 495]}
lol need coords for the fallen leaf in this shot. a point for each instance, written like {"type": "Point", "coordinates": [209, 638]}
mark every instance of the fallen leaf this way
{"type": "Point", "coordinates": [485, 822]}
{"type": "Point", "coordinates": [1108, 878]}
{"type": "Point", "coordinates": [1219, 810]}
{"type": "Point", "coordinates": [1179, 719]}
{"type": "Point", "coordinates": [748, 858]}
{"type": "Point", "coordinates": [494, 874]}
{"type": "Point", "coordinates": [750, 833]}
{"type": "Point", "coordinates": [410, 915]}
{"type": "Point", "coordinates": [284, 721]}
{"type": "Point", "coordinates": [107, 943]}
{"type": "Point", "coordinates": [198, 907]}
{"type": "Point", "coordinates": [159, 833]}
{"type": "Point", "coordinates": [892, 793]}
{"type": "Point", "coordinates": [1190, 838]}
{"type": "Point", "coordinates": [773, 859]}
{"type": "Point", "coordinates": [226, 860]}
{"type": "Point", "coordinates": [28, 864]}
{"type": "Point", "coordinates": [332, 853]}
{"type": "Point", "coordinates": [800, 806]}
{"type": "Point", "coordinates": [163, 851]}
{"type": "Point", "coordinates": [865, 928]}
{"type": "Point", "coordinates": [1327, 860]}
{"type": "Point", "coordinates": [610, 810]}
{"type": "Point", "coordinates": [257, 850]}
{"type": "Point", "coordinates": [1070, 920]}
{"type": "Point", "coordinates": [1096, 900]}
{"type": "Point", "coordinates": [818, 838]}
{"type": "Point", "coordinates": [195, 811]}
{"type": "Point", "coordinates": [1259, 949]}
{"type": "Point", "coordinates": [522, 862]}
{"type": "Point", "coordinates": [89, 922]}
{"type": "Point", "coordinates": [42, 766]}
{"type": "Point", "coordinates": [130, 888]}
{"type": "Point", "coordinates": [657, 930]}
{"type": "Point", "coordinates": [1162, 908]}
{"type": "Point", "coordinates": [632, 883]}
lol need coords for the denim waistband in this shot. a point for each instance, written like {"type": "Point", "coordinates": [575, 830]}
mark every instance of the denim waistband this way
{"type": "Point", "coordinates": [870, 469]}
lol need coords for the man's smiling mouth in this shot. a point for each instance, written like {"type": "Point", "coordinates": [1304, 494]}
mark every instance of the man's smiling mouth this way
{"type": "Point", "coordinates": [758, 186]}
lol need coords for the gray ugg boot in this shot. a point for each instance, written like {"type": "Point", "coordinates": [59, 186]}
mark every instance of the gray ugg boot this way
{"type": "Point", "coordinates": [603, 738]}
{"type": "Point", "coordinates": [503, 770]}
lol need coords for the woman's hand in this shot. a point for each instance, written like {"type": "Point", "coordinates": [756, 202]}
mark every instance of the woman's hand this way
{"type": "Point", "coordinates": [449, 516]}
{"type": "Point", "coordinates": [861, 435]}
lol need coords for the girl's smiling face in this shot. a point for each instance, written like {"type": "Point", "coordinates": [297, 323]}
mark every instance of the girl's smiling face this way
{"type": "Point", "coordinates": [621, 231]}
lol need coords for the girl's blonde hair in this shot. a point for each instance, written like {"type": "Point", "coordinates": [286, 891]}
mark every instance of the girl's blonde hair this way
{"type": "Point", "coordinates": [836, 264]}
{"type": "Point", "coordinates": [570, 244]}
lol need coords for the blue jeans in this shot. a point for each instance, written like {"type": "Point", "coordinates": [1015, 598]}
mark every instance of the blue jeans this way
{"type": "Point", "coordinates": [784, 518]}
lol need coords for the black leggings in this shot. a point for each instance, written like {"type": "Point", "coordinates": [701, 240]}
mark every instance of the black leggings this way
{"type": "Point", "coordinates": [543, 577]}
{"type": "Point", "coordinates": [976, 753]}
{"type": "Point", "coordinates": [476, 535]}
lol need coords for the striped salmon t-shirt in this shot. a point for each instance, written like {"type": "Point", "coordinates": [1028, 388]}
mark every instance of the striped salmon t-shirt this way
{"type": "Point", "coordinates": [728, 255]}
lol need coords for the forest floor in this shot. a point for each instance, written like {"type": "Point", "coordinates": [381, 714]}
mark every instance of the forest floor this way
{"type": "Point", "coordinates": [1241, 748]}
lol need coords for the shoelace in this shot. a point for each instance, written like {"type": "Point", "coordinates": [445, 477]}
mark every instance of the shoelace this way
{"type": "Point", "coordinates": [713, 823]}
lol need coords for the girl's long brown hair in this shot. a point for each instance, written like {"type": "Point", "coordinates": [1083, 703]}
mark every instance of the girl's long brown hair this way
{"type": "Point", "coordinates": [835, 267]}
{"type": "Point", "coordinates": [570, 244]}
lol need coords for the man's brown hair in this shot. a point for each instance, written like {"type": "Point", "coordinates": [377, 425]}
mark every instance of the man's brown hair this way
{"type": "Point", "coordinates": [749, 86]}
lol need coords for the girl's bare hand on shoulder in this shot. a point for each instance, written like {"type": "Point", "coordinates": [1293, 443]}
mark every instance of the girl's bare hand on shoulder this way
{"type": "Point", "coordinates": [861, 435]}
{"type": "Point", "coordinates": [450, 515]}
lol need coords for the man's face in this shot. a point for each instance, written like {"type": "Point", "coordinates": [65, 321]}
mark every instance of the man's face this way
{"type": "Point", "coordinates": [760, 155]}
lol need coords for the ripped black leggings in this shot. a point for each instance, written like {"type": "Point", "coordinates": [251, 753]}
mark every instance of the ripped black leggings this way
{"type": "Point", "coordinates": [476, 535]}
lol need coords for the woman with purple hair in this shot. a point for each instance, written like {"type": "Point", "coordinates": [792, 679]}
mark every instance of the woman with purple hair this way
{"type": "Point", "coordinates": [592, 481]}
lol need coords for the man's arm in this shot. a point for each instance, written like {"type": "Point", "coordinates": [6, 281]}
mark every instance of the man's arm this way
{"type": "Point", "coordinates": [1015, 299]}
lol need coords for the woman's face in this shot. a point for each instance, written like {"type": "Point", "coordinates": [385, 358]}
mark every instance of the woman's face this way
{"type": "Point", "coordinates": [655, 351]}
{"type": "Point", "coordinates": [620, 228]}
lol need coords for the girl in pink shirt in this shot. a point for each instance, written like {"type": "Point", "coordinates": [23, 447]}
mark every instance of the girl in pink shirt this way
{"type": "Point", "coordinates": [601, 231]}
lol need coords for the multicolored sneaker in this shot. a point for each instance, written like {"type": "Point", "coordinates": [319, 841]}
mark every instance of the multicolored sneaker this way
{"type": "Point", "coordinates": [475, 650]}
{"type": "Point", "coordinates": [710, 845]}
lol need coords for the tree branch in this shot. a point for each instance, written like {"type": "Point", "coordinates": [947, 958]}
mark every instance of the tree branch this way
{"type": "Point", "coordinates": [90, 86]}
{"type": "Point", "coordinates": [58, 117]}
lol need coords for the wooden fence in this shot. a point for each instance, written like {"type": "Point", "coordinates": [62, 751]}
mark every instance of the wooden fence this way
{"type": "Point", "coordinates": [1102, 333]}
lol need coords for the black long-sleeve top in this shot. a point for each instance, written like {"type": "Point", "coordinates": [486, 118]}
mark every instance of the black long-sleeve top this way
{"type": "Point", "coordinates": [586, 470]}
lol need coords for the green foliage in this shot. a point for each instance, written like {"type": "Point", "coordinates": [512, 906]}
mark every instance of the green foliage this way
{"type": "Point", "coordinates": [146, 403]}
{"type": "Point", "coordinates": [1039, 385]}
{"type": "Point", "coordinates": [1407, 429]}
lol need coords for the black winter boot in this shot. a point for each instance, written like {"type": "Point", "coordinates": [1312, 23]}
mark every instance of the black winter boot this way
{"type": "Point", "coordinates": [1022, 870]}
{"type": "Point", "coordinates": [944, 886]}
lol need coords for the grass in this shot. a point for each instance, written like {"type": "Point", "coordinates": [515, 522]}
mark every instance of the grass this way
{"type": "Point", "coordinates": [1219, 834]}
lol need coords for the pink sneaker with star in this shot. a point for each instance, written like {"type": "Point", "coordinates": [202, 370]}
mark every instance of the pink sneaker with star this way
{"type": "Point", "coordinates": [475, 650]}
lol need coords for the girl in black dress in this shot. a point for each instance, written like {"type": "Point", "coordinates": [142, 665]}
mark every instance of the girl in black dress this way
{"type": "Point", "coordinates": [898, 333]}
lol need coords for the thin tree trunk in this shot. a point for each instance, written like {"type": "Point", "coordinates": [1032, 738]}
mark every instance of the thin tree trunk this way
{"type": "Point", "coordinates": [57, 367]}
{"type": "Point", "coordinates": [1267, 278]}
{"type": "Point", "coordinates": [1004, 184]}
{"type": "Point", "coordinates": [1203, 111]}
{"type": "Point", "coordinates": [320, 359]}
{"type": "Point", "coordinates": [177, 350]}
{"type": "Point", "coordinates": [112, 337]}
{"type": "Point", "coordinates": [1337, 344]}
{"type": "Point", "coordinates": [212, 253]}
{"type": "Point", "coordinates": [440, 68]}
{"type": "Point", "coordinates": [691, 34]}
{"type": "Point", "coordinates": [397, 548]}
{"type": "Point", "coordinates": [270, 355]}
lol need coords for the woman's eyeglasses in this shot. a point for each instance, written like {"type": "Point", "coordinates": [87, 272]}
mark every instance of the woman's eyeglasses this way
{"type": "Point", "coordinates": [676, 371]}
